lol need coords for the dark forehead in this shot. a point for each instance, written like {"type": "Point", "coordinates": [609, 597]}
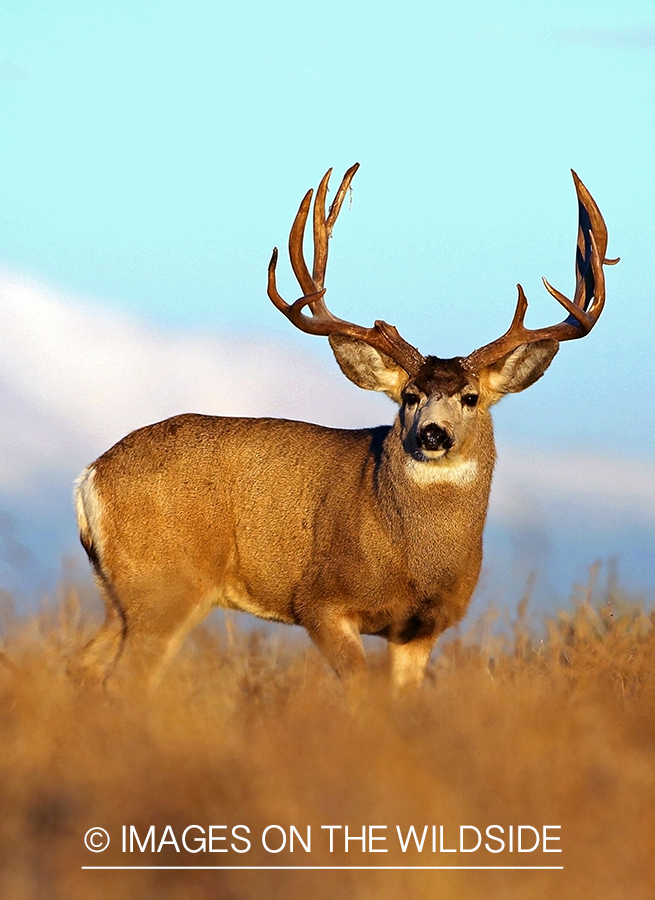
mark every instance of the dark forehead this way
{"type": "Point", "coordinates": [445, 375]}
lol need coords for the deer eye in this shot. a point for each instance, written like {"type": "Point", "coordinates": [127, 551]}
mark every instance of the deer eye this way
{"type": "Point", "coordinates": [470, 400]}
{"type": "Point", "coordinates": [411, 399]}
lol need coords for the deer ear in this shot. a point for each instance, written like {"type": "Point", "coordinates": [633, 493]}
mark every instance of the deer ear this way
{"type": "Point", "coordinates": [367, 367]}
{"type": "Point", "coordinates": [518, 369]}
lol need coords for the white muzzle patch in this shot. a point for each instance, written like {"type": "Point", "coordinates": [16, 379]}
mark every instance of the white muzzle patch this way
{"type": "Point", "coordinates": [427, 473]}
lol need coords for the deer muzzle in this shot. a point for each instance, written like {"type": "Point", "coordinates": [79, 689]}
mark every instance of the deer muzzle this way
{"type": "Point", "coordinates": [434, 437]}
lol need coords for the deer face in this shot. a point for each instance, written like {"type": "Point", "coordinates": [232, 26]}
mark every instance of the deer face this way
{"type": "Point", "coordinates": [441, 405]}
{"type": "Point", "coordinates": [439, 410]}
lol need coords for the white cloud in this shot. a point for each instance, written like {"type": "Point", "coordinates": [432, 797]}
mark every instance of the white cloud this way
{"type": "Point", "coordinates": [74, 378]}
{"type": "Point", "coordinates": [608, 488]}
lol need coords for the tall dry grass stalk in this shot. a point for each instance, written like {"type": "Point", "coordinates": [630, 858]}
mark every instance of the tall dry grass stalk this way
{"type": "Point", "coordinates": [547, 727]}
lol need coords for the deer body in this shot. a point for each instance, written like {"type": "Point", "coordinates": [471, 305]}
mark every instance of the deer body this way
{"type": "Point", "coordinates": [376, 531]}
{"type": "Point", "coordinates": [347, 543]}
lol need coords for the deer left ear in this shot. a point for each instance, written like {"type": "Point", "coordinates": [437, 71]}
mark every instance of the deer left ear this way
{"type": "Point", "coordinates": [367, 367]}
{"type": "Point", "coordinates": [518, 369]}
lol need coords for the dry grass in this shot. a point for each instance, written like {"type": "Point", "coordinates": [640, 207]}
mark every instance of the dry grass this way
{"type": "Point", "coordinates": [556, 728]}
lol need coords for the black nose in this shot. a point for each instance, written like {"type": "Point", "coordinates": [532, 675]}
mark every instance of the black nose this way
{"type": "Point", "coordinates": [434, 437]}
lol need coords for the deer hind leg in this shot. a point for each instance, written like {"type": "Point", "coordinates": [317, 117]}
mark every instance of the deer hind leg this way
{"type": "Point", "coordinates": [159, 613]}
{"type": "Point", "coordinates": [148, 613]}
{"type": "Point", "coordinates": [146, 622]}
{"type": "Point", "coordinates": [94, 663]}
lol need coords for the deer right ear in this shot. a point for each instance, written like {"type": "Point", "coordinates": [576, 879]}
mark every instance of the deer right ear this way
{"type": "Point", "coordinates": [519, 368]}
{"type": "Point", "coordinates": [367, 367]}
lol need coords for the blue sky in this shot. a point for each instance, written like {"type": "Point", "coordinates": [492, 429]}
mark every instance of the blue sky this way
{"type": "Point", "coordinates": [154, 153]}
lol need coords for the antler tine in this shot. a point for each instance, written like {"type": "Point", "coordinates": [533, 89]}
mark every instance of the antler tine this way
{"type": "Point", "coordinates": [588, 299]}
{"type": "Point", "coordinates": [382, 336]}
{"type": "Point", "coordinates": [323, 226]}
{"type": "Point", "coordinates": [321, 238]}
{"type": "Point", "coordinates": [296, 236]}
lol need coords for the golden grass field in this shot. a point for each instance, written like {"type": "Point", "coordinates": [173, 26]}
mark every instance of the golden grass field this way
{"type": "Point", "coordinates": [551, 726]}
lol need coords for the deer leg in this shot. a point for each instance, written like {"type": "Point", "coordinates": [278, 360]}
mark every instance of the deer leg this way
{"type": "Point", "coordinates": [340, 643]}
{"type": "Point", "coordinates": [156, 627]}
{"type": "Point", "coordinates": [95, 661]}
{"type": "Point", "coordinates": [144, 655]}
{"type": "Point", "coordinates": [147, 621]}
{"type": "Point", "coordinates": [408, 663]}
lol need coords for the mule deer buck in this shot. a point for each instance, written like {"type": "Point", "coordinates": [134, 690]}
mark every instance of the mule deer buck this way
{"type": "Point", "coordinates": [375, 531]}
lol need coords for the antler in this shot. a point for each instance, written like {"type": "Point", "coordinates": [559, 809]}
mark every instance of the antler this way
{"type": "Point", "coordinates": [588, 300]}
{"type": "Point", "coordinates": [382, 336]}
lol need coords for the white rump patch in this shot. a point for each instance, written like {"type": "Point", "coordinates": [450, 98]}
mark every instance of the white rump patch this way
{"type": "Point", "coordinates": [427, 473]}
{"type": "Point", "coordinates": [88, 509]}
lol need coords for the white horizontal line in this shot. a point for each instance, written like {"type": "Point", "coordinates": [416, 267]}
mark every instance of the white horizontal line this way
{"type": "Point", "coordinates": [321, 868]}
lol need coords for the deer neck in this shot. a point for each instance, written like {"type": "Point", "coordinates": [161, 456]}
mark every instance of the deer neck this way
{"type": "Point", "coordinates": [437, 513]}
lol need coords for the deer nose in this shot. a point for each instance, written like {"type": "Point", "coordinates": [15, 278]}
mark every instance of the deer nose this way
{"type": "Point", "coordinates": [434, 437]}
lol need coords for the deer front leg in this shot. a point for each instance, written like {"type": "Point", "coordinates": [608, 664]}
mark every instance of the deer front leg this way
{"type": "Point", "coordinates": [340, 642]}
{"type": "Point", "coordinates": [408, 663]}
{"type": "Point", "coordinates": [410, 643]}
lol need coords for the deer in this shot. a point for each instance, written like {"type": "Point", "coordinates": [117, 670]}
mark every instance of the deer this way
{"type": "Point", "coordinates": [376, 531]}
